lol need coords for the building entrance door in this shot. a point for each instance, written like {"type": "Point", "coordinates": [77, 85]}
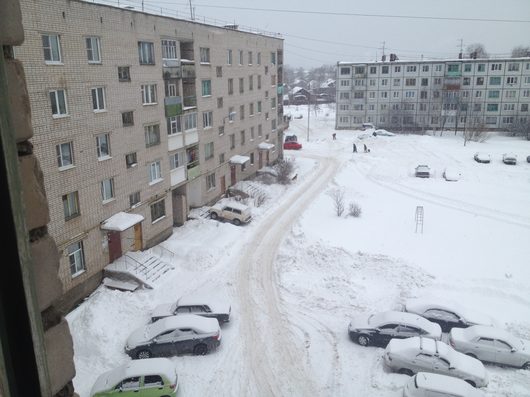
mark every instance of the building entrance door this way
{"type": "Point", "coordinates": [114, 239]}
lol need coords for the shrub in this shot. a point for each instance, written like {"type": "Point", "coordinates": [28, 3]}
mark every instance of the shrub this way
{"type": "Point", "coordinates": [355, 210]}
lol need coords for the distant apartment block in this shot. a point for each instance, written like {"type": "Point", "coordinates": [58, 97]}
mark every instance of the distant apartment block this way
{"type": "Point", "coordinates": [445, 94]}
{"type": "Point", "coordinates": [138, 118]}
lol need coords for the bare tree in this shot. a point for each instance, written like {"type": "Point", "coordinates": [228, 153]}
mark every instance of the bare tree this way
{"type": "Point", "coordinates": [337, 195]}
{"type": "Point", "coordinates": [284, 169]}
{"type": "Point", "coordinates": [477, 50]}
{"type": "Point", "coordinates": [475, 131]}
{"type": "Point", "coordinates": [521, 51]}
{"type": "Point", "coordinates": [521, 127]}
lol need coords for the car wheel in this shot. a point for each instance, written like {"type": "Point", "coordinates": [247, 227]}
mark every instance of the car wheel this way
{"type": "Point", "coordinates": [526, 365]}
{"type": "Point", "coordinates": [363, 340]}
{"type": "Point", "coordinates": [200, 350]}
{"type": "Point", "coordinates": [471, 355]}
{"type": "Point", "coordinates": [213, 215]}
{"type": "Point", "coordinates": [236, 222]}
{"type": "Point", "coordinates": [143, 354]}
{"type": "Point", "coordinates": [471, 383]}
{"type": "Point", "coordinates": [406, 371]}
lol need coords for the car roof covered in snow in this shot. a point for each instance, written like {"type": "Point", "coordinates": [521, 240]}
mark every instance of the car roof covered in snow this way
{"type": "Point", "coordinates": [417, 343]}
{"type": "Point", "coordinates": [444, 384]}
{"type": "Point", "coordinates": [230, 203]}
{"type": "Point", "coordinates": [406, 319]}
{"type": "Point", "coordinates": [214, 303]}
{"type": "Point", "coordinates": [420, 306]}
{"type": "Point", "coordinates": [198, 323]}
{"type": "Point", "coordinates": [489, 332]}
{"type": "Point", "coordinates": [149, 366]}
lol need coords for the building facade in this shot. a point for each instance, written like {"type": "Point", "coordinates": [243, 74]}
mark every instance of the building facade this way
{"type": "Point", "coordinates": [451, 94]}
{"type": "Point", "coordinates": [136, 119]}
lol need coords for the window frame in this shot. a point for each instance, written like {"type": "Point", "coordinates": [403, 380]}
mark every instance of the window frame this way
{"type": "Point", "coordinates": [57, 103]}
{"type": "Point", "coordinates": [146, 53]}
{"type": "Point", "coordinates": [77, 253]}
{"type": "Point", "coordinates": [96, 50]}
{"type": "Point", "coordinates": [52, 61]}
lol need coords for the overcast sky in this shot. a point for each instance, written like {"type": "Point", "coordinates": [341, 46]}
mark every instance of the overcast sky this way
{"type": "Point", "coordinates": [360, 38]}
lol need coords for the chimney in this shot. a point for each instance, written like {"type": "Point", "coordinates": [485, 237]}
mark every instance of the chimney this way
{"type": "Point", "coordinates": [460, 55]}
{"type": "Point", "coordinates": [383, 58]}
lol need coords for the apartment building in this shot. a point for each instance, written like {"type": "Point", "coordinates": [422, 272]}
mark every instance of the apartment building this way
{"type": "Point", "coordinates": [136, 119]}
{"type": "Point", "coordinates": [449, 94]}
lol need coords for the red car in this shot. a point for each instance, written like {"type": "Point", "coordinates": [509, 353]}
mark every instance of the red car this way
{"type": "Point", "coordinates": [292, 145]}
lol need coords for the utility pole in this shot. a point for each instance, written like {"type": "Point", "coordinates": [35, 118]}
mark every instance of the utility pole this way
{"type": "Point", "coordinates": [461, 48]}
{"type": "Point", "coordinates": [384, 49]}
{"type": "Point", "coordinates": [308, 114]}
{"type": "Point", "coordinates": [191, 11]}
{"type": "Point", "coordinates": [142, 5]}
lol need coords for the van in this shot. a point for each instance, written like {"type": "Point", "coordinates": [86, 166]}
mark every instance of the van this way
{"type": "Point", "coordinates": [138, 378]}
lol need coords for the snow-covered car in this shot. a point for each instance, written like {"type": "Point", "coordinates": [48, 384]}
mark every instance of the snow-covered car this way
{"type": "Point", "coordinates": [195, 304]}
{"type": "Point", "coordinates": [451, 174]}
{"type": "Point", "coordinates": [425, 384]}
{"type": "Point", "coordinates": [493, 345]}
{"type": "Point", "coordinates": [379, 329]}
{"type": "Point", "coordinates": [482, 157]}
{"type": "Point", "coordinates": [422, 171]}
{"type": "Point", "coordinates": [232, 211]}
{"type": "Point", "coordinates": [174, 335]}
{"type": "Point", "coordinates": [367, 126]}
{"type": "Point", "coordinates": [417, 354]}
{"type": "Point", "coordinates": [143, 378]}
{"type": "Point", "coordinates": [509, 158]}
{"type": "Point", "coordinates": [383, 133]}
{"type": "Point", "coordinates": [292, 145]}
{"type": "Point", "coordinates": [447, 315]}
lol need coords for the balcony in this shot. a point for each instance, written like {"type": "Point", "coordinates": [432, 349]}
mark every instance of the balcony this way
{"type": "Point", "coordinates": [188, 71]}
{"type": "Point", "coordinates": [178, 175]}
{"type": "Point", "coordinates": [173, 106]}
{"type": "Point", "coordinates": [194, 170]}
{"type": "Point", "coordinates": [190, 101]}
{"type": "Point", "coordinates": [171, 69]}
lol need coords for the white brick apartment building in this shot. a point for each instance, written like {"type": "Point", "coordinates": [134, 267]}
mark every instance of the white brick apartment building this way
{"type": "Point", "coordinates": [433, 94]}
{"type": "Point", "coordinates": [136, 119]}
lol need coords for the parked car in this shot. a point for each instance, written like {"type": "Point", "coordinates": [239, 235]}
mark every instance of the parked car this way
{"type": "Point", "coordinates": [492, 345]}
{"type": "Point", "coordinates": [292, 145]}
{"type": "Point", "coordinates": [383, 133]}
{"type": "Point", "coordinates": [528, 159]}
{"type": "Point", "coordinates": [379, 329]}
{"type": "Point", "coordinates": [482, 157]}
{"type": "Point", "coordinates": [142, 378]}
{"type": "Point", "coordinates": [425, 384]}
{"type": "Point", "coordinates": [509, 158]}
{"type": "Point", "coordinates": [290, 138]}
{"type": "Point", "coordinates": [446, 315]}
{"type": "Point", "coordinates": [232, 211]}
{"type": "Point", "coordinates": [367, 126]}
{"type": "Point", "coordinates": [174, 335]}
{"type": "Point", "coordinates": [451, 174]}
{"type": "Point", "coordinates": [423, 171]}
{"type": "Point", "coordinates": [194, 304]}
{"type": "Point", "coordinates": [417, 354]}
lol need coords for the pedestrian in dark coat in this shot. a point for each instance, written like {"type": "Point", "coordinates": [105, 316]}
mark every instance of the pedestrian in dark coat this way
{"type": "Point", "coordinates": [354, 148]}
{"type": "Point", "coordinates": [365, 148]}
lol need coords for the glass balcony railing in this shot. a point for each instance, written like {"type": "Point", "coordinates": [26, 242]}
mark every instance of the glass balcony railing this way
{"type": "Point", "coordinates": [190, 101]}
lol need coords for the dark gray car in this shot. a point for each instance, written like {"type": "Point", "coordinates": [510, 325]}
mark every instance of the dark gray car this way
{"type": "Point", "coordinates": [175, 335]}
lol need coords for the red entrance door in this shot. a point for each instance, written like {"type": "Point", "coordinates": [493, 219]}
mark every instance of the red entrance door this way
{"type": "Point", "coordinates": [114, 239]}
{"type": "Point", "coordinates": [232, 175]}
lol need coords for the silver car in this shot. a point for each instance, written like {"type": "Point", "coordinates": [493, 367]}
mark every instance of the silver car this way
{"type": "Point", "coordinates": [413, 355]}
{"type": "Point", "coordinates": [425, 384]}
{"type": "Point", "coordinates": [492, 345]}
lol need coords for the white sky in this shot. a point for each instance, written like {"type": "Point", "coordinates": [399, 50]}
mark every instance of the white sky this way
{"type": "Point", "coordinates": [408, 38]}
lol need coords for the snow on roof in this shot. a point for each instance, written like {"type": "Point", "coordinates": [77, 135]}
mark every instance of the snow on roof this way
{"type": "Point", "coordinates": [407, 319]}
{"type": "Point", "coordinates": [199, 323]}
{"type": "Point", "coordinates": [442, 383]}
{"type": "Point", "coordinates": [297, 89]}
{"type": "Point", "coordinates": [265, 146]}
{"type": "Point", "coordinates": [149, 366]}
{"type": "Point", "coordinates": [121, 221]}
{"type": "Point", "coordinates": [238, 159]}
{"type": "Point", "coordinates": [215, 304]}
{"type": "Point", "coordinates": [489, 332]}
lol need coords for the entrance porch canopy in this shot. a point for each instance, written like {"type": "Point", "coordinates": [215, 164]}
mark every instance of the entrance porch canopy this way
{"type": "Point", "coordinates": [121, 221]}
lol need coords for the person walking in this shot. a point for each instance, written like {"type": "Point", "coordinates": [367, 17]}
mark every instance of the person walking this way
{"type": "Point", "coordinates": [365, 148]}
{"type": "Point", "coordinates": [354, 148]}
{"type": "Point", "coordinates": [334, 136]}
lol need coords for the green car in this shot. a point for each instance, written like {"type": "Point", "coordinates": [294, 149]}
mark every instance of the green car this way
{"type": "Point", "coordinates": [151, 377]}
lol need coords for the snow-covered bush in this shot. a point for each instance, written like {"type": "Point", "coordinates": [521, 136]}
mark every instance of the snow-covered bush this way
{"type": "Point", "coordinates": [355, 210]}
{"type": "Point", "coordinates": [284, 169]}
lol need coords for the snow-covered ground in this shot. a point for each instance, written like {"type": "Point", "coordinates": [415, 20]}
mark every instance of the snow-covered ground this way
{"type": "Point", "coordinates": [298, 272]}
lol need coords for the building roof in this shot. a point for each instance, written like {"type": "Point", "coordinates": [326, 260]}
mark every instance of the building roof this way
{"type": "Point", "coordinates": [464, 60]}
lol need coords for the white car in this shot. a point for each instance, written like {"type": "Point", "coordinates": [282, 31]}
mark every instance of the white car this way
{"type": "Point", "coordinates": [482, 157]}
{"type": "Point", "coordinates": [451, 174]}
{"type": "Point", "coordinates": [492, 345]}
{"type": "Point", "coordinates": [509, 158]}
{"type": "Point", "coordinates": [425, 384]}
{"type": "Point", "coordinates": [413, 355]}
{"type": "Point", "coordinates": [383, 133]}
{"type": "Point", "coordinates": [232, 211]}
{"type": "Point", "coordinates": [446, 314]}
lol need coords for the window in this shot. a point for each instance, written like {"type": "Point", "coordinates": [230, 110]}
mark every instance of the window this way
{"type": "Point", "coordinates": [65, 154]}
{"type": "Point", "coordinates": [423, 95]}
{"type": "Point", "coordinates": [207, 119]}
{"type": "Point", "coordinates": [169, 49]}
{"type": "Point", "coordinates": [146, 53]}
{"type": "Point", "coordinates": [229, 57]}
{"type": "Point", "coordinates": [259, 58]}
{"type": "Point", "coordinates": [410, 82]}
{"type": "Point", "coordinates": [480, 81]}
{"type": "Point", "coordinates": [242, 136]}
{"type": "Point", "coordinates": [250, 57]}
{"type": "Point", "coordinates": [219, 102]}
{"type": "Point", "coordinates": [342, 95]}
{"type": "Point", "coordinates": [158, 210]}
{"type": "Point", "coordinates": [260, 131]}
{"type": "Point", "coordinates": [219, 71]}
{"type": "Point", "coordinates": [481, 67]}
{"type": "Point", "coordinates": [357, 94]}
{"type": "Point", "coordinates": [171, 89]}
{"type": "Point", "coordinates": [221, 130]}
{"type": "Point", "coordinates": [493, 94]}
{"type": "Point", "coordinates": [252, 133]}
{"type": "Point", "coordinates": [70, 205]}
{"type": "Point", "coordinates": [76, 258]}
{"type": "Point", "coordinates": [259, 82]}
{"type": "Point", "coordinates": [273, 124]}
{"type": "Point", "coordinates": [478, 94]}
{"type": "Point", "coordinates": [232, 141]}
{"type": "Point", "coordinates": [496, 66]}
{"type": "Point", "coordinates": [513, 67]}
{"type": "Point", "coordinates": [509, 106]}
{"type": "Point", "coordinates": [231, 114]}
{"type": "Point", "coordinates": [411, 68]}
{"type": "Point", "coordinates": [251, 109]}
{"type": "Point", "coordinates": [492, 107]}
{"type": "Point", "coordinates": [424, 82]}
{"type": "Point", "coordinates": [359, 82]}
{"type": "Point", "coordinates": [230, 86]}
{"type": "Point", "coordinates": [495, 80]}
{"type": "Point", "coordinates": [397, 82]}
{"type": "Point", "coordinates": [372, 82]}
{"type": "Point", "coordinates": [208, 151]}
{"type": "Point", "coordinates": [130, 160]}
{"type": "Point", "coordinates": [149, 94]}
{"type": "Point", "coordinates": [345, 83]}
{"type": "Point", "coordinates": [176, 160]}
{"type": "Point", "coordinates": [152, 135]}
{"type": "Point", "coordinates": [210, 181]}
{"type": "Point", "coordinates": [174, 125]}
{"type": "Point", "coordinates": [467, 81]}
{"type": "Point", "coordinates": [397, 69]}
{"type": "Point", "coordinates": [511, 80]}
{"type": "Point", "coordinates": [240, 57]}
{"type": "Point", "coordinates": [58, 102]}
{"type": "Point", "coordinates": [155, 172]}
{"type": "Point", "coordinates": [384, 69]}
{"type": "Point", "coordinates": [273, 103]}
{"type": "Point", "coordinates": [206, 87]}
{"type": "Point", "coordinates": [423, 106]}
{"type": "Point", "coordinates": [205, 55]}
{"type": "Point", "coordinates": [491, 120]}
{"type": "Point", "coordinates": [190, 121]}
{"type": "Point", "coordinates": [241, 85]}
{"type": "Point", "coordinates": [134, 199]}
{"type": "Point", "coordinates": [524, 107]}
{"type": "Point", "coordinates": [345, 71]}
{"type": "Point", "coordinates": [373, 69]}
{"type": "Point", "coordinates": [123, 74]}
{"type": "Point", "coordinates": [359, 69]}
{"type": "Point", "coordinates": [52, 48]}
{"type": "Point", "coordinates": [437, 81]}
{"type": "Point", "coordinates": [127, 118]}
{"type": "Point", "coordinates": [221, 158]}
{"type": "Point", "coordinates": [98, 99]}
{"type": "Point", "coordinates": [93, 49]}
{"type": "Point", "coordinates": [107, 189]}
{"type": "Point", "coordinates": [371, 94]}
{"type": "Point", "coordinates": [425, 68]}
{"type": "Point", "coordinates": [436, 94]}
{"type": "Point", "coordinates": [242, 112]}
{"type": "Point", "coordinates": [467, 67]}
{"type": "Point", "coordinates": [410, 94]}
{"type": "Point", "coordinates": [259, 106]}
{"type": "Point", "coordinates": [103, 146]}
{"type": "Point", "coordinates": [383, 82]}
{"type": "Point", "coordinates": [384, 94]}
{"type": "Point", "coordinates": [273, 58]}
